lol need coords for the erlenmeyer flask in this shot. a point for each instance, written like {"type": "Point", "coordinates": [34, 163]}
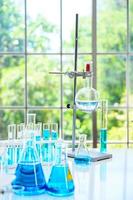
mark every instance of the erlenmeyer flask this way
{"type": "Point", "coordinates": [60, 182]}
{"type": "Point", "coordinates": [87, 97]}
{"type": "Point", "coordinates": [29, 172]}
{"type": "Point", "coordinates": [82, 154]}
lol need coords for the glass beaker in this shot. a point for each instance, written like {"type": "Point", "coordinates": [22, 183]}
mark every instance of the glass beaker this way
{"type": "Point", "coordinates": [103, 128]}
{"type": "Point", "coordinates": [82, 155]}
{"type": "Point", "coordinates": [87, 97]}
{"type": "Point", "coordinates": [11, 145]}
{"type": "Point", "coordinates": [60, 182]}
{"type": "Point", "coordinates": [29, 172]}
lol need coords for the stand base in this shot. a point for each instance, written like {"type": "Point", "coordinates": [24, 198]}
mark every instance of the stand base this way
{"type": "Point", "coordinates": [94, 154]}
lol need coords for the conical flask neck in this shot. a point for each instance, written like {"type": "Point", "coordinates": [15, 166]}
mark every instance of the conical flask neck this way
{"type": "Point", "coordinates": [60, 154]}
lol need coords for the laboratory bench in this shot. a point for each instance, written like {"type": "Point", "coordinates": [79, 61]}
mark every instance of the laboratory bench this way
{"type": "Point", "coordinates": [110, 179]}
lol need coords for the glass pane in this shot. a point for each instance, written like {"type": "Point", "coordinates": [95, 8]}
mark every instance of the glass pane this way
{"type": "Point", "coordinates": [117, 125]}
{"type": "Point", "coordinates": [111, 26]}
{"type": "Point", "coordinates": [131, 125]}
{"type": "Point", "coordinates": [117, 146]}
{"type": "Point", "coordinates": [11, 80]}
{"type": "Point", "coordinates": [130, 80]}
{"type": "Point", "coordinates": [83, 124]}
{"type": "Point", "coordinates": [11, 26]}
{"type": "Point", "coordinates": [9, 117]}
{"type": "Point", "coordinates": [46, 115]}
{"type": "Point", "coordinates": [69, 10]}
{"type": "Point", "coordinates": [43, 88]}
{"type": "Point", "coordinates": [131, 24]}
{"type": "Point", "coordinates": [111, 79]}
{"type": "Point", "coordinates": [43, 26]}
{"type": "Point", "coordinates": [68, 83]}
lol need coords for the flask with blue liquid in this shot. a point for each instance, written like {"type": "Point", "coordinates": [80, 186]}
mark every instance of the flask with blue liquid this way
{"type": "Point", "coordinates": [29, 173]}
{"type": "Point", "coordinates": [87, 97]}
{"type": "Point", "coordinates": [82, 154]}
{"type": "Point", "coordinates": [60, 182]}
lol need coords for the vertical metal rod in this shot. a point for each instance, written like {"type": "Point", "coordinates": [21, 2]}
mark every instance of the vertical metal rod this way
{"type": "Point", "coordinates": [75, 84]}
{"type": "Point", "coordinates": [127, 73]}
{"type": "Point", "coordinates": [25, 53]}
{"type": "Point", "coordinates": [61, 76]}
{"type": "Point", "coordinates": [94, 58]}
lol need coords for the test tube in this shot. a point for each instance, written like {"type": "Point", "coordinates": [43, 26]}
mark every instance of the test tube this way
{"type": "Point", "coordinates": [11, 145]}
{"type": "Point", "coordinates": [46, 131]}
{"type": "Point", "coordinates": [3, 160]}
{"type": "Point", "coordinates": [20, 135]}
{"type": "Point", "coordinates": [54, 131]}
{"type": "Point", "coordinates": [46, 151]}
{"type": "Point", "coordinates": [31, 118]}
{"type": "Point", "coordinates": [103, 128]}
{"type": "Point", "coordinates": [38, 131]}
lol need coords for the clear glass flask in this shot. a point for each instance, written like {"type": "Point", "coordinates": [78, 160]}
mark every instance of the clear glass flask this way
{"type": "Point", "coordinates": [82, 154]}
{"type": "Point", "coordinates": [60, 182]}
{"type": "Point", "coordinates": [103, 128]}
{"type": "Point", "coordinates": [11, 145]}
{"type": "Point", "coordinates": [87, 97]}
{"type": "Point", "coordinates": [29, 173]}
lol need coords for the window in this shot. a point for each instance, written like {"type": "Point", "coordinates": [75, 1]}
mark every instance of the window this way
{"type": "Point", "coordinates": [38, 37]}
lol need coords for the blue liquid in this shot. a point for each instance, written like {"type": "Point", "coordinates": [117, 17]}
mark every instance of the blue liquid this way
{"type": "Point", "coordinates": [60, 182]}
{"type": "Point", "coordinates": [54, 135]}
{"type": "Point", "coordinates": [103, 140]}
{"type": "Point", "coordinates": [46, 134]}
{"type": "Point", "coordinates": [82, 159]}
{"type": "Point", "coordinates": [87, 106]}
{"type": "Point", "coordinates": [31, 178]}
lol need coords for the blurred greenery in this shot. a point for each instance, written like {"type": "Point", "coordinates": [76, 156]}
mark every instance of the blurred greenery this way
{"type": "Point", "coordinates": [44, 89]}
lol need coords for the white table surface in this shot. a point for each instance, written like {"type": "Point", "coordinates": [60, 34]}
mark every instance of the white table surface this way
{"type": "Point", "coordinates": [104, 180]}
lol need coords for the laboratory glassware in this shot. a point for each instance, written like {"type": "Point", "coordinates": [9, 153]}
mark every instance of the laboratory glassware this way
{"type": "Point", "coordinates": [29, 173]}
{"type": "Point", "coordinates": [60, 182]}
{"type": "Point", "coordinates": [87, 97]}
{"type": "Point", "coordinates": [54, 131]}
{"type": "Point", "coordinates": [103, 128]}
{"type": "Point", "coordinates": [82, 155]}
{"type": "Point", "coordinates": [31, 118]}
{"type": "Point", "coordinates": [20, 132]}
{"type": "Point", "coordinates": [11, 145]}
{"type": "Point", "coordinates": [38, 133]}
{"type": "Point", "coordinates": [46, 157]}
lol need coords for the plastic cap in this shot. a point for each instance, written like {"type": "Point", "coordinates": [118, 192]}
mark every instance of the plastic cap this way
{"type": "Point", "coordinates": [88, 67]}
